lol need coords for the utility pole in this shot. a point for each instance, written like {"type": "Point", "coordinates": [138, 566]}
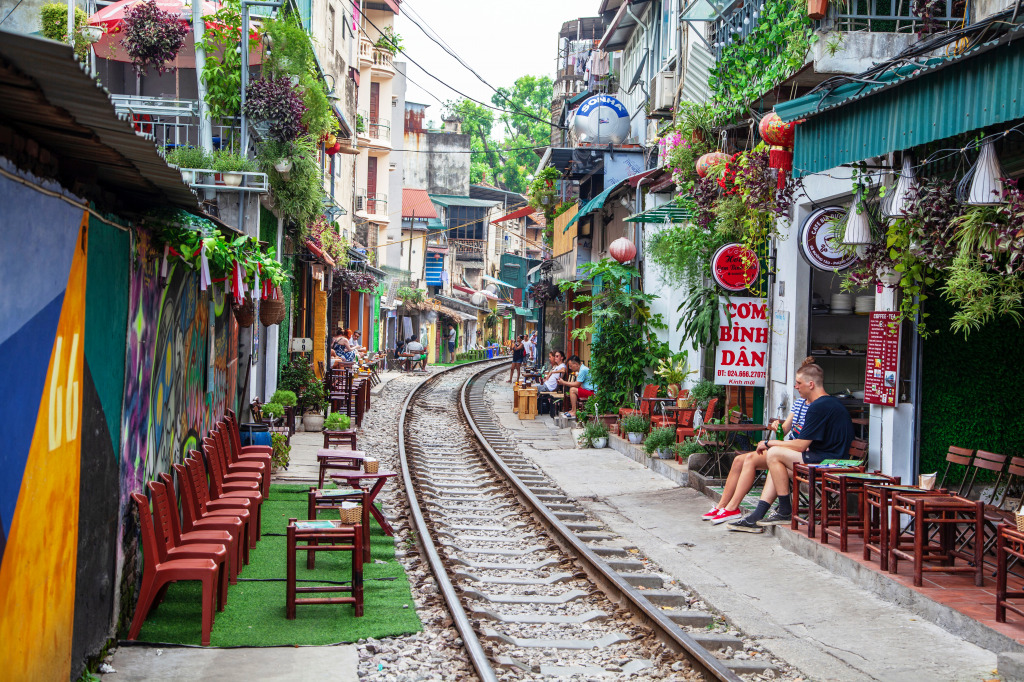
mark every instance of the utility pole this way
{"type": "Point", "coordinates": [205, 125]}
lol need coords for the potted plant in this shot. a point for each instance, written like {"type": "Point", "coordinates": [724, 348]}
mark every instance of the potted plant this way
{"type": "Point", "coordinates": [634, 426]}
{"type": "Point", "coordinates": [702, 393]}
{"type": "Point", "coordinates": [91, 34]}
{"type": "Point", "coordinates": [188, 159]}
{"type": "Point", "coordinates": [661, 440]}
{"type": "Point", "coordinates": [314, 404]}
{"type": "Point", "coordinates": [276, 102]}
{"type": "Point", "coordinates": [336, 421]}
{"type": "Point", "coordinates": [273, 410]}
{"type": "Point", "coordinates": [152, 37]}
{"type": "Point", "coordinates": [280, 454]}
{"type": "Point", "coordinates": [360, 124]}
{"type": "Point", "coordinates": [673, 369]}
{"type": "Point", "coordinates": [595, 434]}
{"type": "Point", "coordinates": [389, 41]}
{"type": "Point", "coordinates": [688, 447]}
{"type": "Point", "coordinates": [232, 166]}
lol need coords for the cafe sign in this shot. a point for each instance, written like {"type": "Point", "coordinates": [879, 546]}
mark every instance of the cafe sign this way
{"type": "Point", "coordinates": [735, 267]}
{"type": "Point", "coordinates": [820, 244]}
{"type": "Point", "coordinates": [742, 341]}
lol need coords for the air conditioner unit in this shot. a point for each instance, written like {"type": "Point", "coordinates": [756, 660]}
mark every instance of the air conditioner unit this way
{"type": "Point", "coordinates": [663, 91]}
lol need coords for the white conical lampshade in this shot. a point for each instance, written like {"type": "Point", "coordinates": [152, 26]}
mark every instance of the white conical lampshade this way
{"type": "Point", "coordinates": [987, 181]}
{"type": "Point", "coordinates": [858, 225]}
{"type": "Point", "coordinates": [899, 196]}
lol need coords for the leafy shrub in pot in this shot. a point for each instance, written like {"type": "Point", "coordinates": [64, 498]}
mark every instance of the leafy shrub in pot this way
{"type": "Point", "coordinates": [662, 438]}
{"type": "Point", "coordinates": [594, 432]}
{"type": "Point", "coordinates": [634, 424]}
{"type": "Point", "coordinates": [280, 454]}
{"type": "Point", "coordinates": [273, 410]}
{"type": "Point", "coordinates": [284, 397]}
{"type": "Point", "coordinates": [337, 421]}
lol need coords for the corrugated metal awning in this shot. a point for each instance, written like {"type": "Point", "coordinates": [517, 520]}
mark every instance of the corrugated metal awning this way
{"type": "Point", "coordinates": [909, 106]}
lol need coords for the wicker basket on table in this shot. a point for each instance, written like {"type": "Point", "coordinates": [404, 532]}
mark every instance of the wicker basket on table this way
{"type": "Point", "coordinates": [351, 514]}
{"type": "Point", "coordinates": [370, 466]}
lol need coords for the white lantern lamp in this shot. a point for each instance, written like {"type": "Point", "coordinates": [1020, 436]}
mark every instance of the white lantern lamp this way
{"type": "Point", "coordinates": [858, 221]}
{"type": "Point", "coordinates": [899, 197]}
{"type": "Point", "coordinates": [986, 179]}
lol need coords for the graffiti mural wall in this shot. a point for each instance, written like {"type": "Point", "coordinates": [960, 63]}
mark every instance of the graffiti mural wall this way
{"type": "Point", "coordinates": [181, 374]}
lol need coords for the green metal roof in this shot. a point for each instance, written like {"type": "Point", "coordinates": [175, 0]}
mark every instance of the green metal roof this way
{"type": "Point", "coordinates": [452, 200]}
{"type": "Point", "coordinates": [933, 102]}
{"type": "Point", "coordinates": [666, 213]}
{"type": "Point", "coordinates": [594, 204]}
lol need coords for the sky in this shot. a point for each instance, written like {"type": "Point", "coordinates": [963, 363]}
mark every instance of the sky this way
{"type": "Point", "coordinates": [500, 40]}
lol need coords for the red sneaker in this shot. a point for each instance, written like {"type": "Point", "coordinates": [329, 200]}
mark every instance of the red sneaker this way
{"type": "Point", "coordinates": [726, 515]}
{"type": "Point", "coordinates": [711, 514]}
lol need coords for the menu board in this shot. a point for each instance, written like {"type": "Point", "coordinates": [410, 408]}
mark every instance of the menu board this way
{"type": "Point", "coordinates": [881, 376]}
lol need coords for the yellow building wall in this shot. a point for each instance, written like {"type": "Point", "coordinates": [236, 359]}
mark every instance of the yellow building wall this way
{"type": "Point", "coordinates": [563, 239]}
{"type": "Point", "coordinates": [431, 343]}
{"type": "Point", "coordinates": [319, 330]}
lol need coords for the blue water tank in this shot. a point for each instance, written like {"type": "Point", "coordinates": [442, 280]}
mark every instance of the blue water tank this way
{"type": "Point", "coordinates": [254, 434]}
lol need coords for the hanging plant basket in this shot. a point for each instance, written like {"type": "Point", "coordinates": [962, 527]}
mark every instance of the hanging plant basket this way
{"type": "Point", "coordinates": [245, 315]}
{"type": "Point", "coordinates": [272, 310]}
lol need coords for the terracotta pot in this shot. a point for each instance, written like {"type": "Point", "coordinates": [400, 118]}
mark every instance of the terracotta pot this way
{"type": "Point", "coordinates": [817, 9]}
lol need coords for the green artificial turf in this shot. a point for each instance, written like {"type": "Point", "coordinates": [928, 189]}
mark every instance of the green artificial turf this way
{"type": "Point", "coordinates": [255, 610]}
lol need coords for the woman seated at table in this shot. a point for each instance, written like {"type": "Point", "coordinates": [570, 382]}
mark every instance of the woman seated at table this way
{"type": "Point", "coordinates": [341, 347]}
{"type": "Point", "coordinates": [744, 467]}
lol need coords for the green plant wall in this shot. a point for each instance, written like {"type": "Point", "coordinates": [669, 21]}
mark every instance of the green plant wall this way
{"type": "Point", "coordinates": [971, 389]}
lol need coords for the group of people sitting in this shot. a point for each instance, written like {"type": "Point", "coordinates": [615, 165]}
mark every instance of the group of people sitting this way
{"type": "Point", "coordinates": [345, 347]}
{"type": "Point", "coordinates": [574, 379]}
{"type": "Point", "coordinates": [817, 428]}
{"type": "Point", "coordinates": [411, 354]}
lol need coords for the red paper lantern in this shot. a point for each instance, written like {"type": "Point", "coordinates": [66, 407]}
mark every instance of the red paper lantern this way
{"type": "Point", "coordinates": [779, 136]}
{"type": "Point", "coordinates": [331, 151]}
{"type": "Point", "coordinates": [705, 162]}
{"type": "Point", "coordinates": [622, 250]}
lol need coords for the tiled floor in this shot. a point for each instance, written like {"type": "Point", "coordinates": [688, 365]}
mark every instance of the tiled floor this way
{"type": "Point", "coordinates": [955, 590]}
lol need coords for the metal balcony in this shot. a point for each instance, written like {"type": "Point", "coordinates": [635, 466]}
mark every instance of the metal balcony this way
{"type": "Point", "coordinates": [372, 205]}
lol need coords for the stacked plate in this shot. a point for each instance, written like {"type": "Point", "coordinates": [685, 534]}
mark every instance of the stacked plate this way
{"type": "Point", "coordinates": [864, 304]}
{"type": "Point", "coordinates": [842, 304]}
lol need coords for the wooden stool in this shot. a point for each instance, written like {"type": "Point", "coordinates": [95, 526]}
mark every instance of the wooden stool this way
{"type": "Point", "coordinates": [336, 538]}
{"type": "Point", "coordinates": [841, 486]}
{"type": "Point", "coordinates": [528, 403]}
{"type": "Point", "coordinates": [946, 512]}
{"type": "Point", "coordinates": [1009, 543]}
{"type": "Point", "coordinates": [810, 475]}
{"type": "Point", "coordinates": [877, 499]}
{"type": "Point", "coordinates": [515, 397]}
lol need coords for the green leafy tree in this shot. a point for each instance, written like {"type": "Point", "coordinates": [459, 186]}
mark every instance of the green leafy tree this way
{"type": "Point", "coordinates": [622, 328]}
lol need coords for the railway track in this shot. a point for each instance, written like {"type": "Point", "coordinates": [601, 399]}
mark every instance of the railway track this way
{"type": "Point", "coordinates": [535, 588]}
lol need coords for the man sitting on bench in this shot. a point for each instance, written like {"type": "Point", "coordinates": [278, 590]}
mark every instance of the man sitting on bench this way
{"type": "Point", "coordinates": [582, 387]}
{"type": "Point", "coordinates": [415, 354]}
{"type": "Point", "coordinates": [551, 381]}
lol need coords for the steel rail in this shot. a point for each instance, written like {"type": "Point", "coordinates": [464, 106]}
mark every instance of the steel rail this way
{"type": "Point", "coordinates": [481, 662]}
{"type": "Point", "coordinates": [596, 567]}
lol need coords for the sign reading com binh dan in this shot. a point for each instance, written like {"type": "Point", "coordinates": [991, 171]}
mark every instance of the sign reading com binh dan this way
{"type": "Point", "coordinates": [742, 342]}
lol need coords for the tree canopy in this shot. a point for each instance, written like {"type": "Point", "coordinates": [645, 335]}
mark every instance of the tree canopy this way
{"type": "Point", "coordinates": [506, 159]}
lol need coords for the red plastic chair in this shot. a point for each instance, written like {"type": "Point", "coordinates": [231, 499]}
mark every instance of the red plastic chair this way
{"type": "Point", "coordinates": [233, 491]}
{"type": "Point", "coordinates": [229, 480]}
{"type": "Point", "coordinates": [169, 547]}
{"type": "Point", "coordinates": [197, 517]}
{"type": "Point", "coordinates": [233, 541]}
{"type": "Point", "coordinates": [251, 472]}
{"type": "Point", "coordinates": [233, 465]}
{"type": "Point", "coordinates": [222, 507]}
{"type": "Point", "coordinates": [157, 574]}
{"type": "Point", "coordinates": [644, 409]}
{"type": "Point", "coordinates": [248, 450]}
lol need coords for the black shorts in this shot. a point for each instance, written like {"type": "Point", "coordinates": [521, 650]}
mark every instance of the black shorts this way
{"type": "Point", "coordinates": [814, 457]}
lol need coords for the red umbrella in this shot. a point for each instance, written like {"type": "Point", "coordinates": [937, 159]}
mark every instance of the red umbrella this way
{"type": "Point", "coordinates": [111, 17]}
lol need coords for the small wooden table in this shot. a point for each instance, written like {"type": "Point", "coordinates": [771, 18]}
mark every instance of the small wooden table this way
{"type": "Point", "coordinates": [877, 498]}
{"type": "Point", "coordinates": [722, 444]}
{"type": "Point", "coordinates": [355, 480]}
{"type": "Point", "coordinates": [332, 499]}
{"type": "Point", "coordinates": [841, 486]}
{"type": "Point", "coordinates": [947, 512]}
{"type": "Point", "coordinates": [528, 403]}
{"type": "Point", "coordinates": [1009, 545]}
{"type": "Point", "coordinates": [324, 536]}
{"type": "Point", "coordinates": [345, 460]}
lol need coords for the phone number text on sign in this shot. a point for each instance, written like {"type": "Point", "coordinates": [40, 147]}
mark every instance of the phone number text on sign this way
{"type": "Point", "coordinates": [742, 342]}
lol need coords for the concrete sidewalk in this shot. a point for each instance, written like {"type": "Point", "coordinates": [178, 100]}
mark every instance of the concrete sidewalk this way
{"type": "Point", "coordinates": [825, 625]}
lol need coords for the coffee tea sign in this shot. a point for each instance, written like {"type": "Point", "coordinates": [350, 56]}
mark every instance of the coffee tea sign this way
{"type": "Point", "coordinates": [740, 359]}
{"type": "Point", "coordinates": [819, 242]}
{"type": "Point", "coordinates": [735, 267]}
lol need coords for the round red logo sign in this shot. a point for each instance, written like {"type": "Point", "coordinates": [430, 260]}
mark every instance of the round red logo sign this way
{"type": "Point", "coordinates": [735, 267]}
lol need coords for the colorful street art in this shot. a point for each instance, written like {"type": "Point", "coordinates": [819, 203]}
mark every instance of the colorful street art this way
{"type": "Point", "coordinates": [42, 345]}
{"type": "Point", "coordinates": [171, 400]}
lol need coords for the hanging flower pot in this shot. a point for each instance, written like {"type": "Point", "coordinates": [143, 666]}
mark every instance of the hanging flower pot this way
{"type": "Point", "coordinates": [91, 34]}
{"type": "Point", "coordinates": [817, 9]}
{"type": "Point", "coordinates": [272, 310]}
{"type": "Point", "coordinates": [705, 162]}
{"type": "Point", "coordinates": [283, 165]}
{"type": "Point", "coordinates": [244, 313]}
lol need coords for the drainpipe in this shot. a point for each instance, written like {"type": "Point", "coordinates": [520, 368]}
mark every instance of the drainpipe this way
{"type": "Point", "coordinates": [647, 44]}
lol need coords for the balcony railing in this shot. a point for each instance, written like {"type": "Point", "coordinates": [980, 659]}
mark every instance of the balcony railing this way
{"type": "Point", "coordinates": [887, 16]}
{"type": "Point", "coordinates": [372, 204]}
{"type": "Point", "coordinates": [173, 122]}
{"type": "Point", "coordinates": [879, 16]}
{"type": "Point", "coordinates": [369, 55]}
{"type": "Point", "coordinates": [468, 249]}
{"type": "Point", "coordinates": [376, 128]}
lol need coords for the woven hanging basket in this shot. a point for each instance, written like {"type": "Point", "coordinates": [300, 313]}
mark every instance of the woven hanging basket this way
{"type": "Point", "coordinates": [272, 310]}
{"type": "Point", "coordinates": [244, 313]}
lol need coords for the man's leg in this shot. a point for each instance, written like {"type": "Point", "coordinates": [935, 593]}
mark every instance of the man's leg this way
{"type": "Point", "coordinates": [752, 462]}
{"type": "Point", "coordinates": [573, 397]}
{"type": "Point", "coordinates": [780, 465]}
